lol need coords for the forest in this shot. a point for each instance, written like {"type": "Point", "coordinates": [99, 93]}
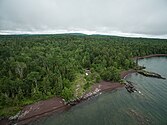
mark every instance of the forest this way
{"type": "Point", "coordinates": [38, 67]}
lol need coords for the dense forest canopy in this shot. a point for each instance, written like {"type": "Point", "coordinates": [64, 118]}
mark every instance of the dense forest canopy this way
{"type": "Point", "coordinates": [36, 67]}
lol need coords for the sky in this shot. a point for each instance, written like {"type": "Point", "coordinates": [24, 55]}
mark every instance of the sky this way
{"type": "Point", "coordinates": [141, 18]}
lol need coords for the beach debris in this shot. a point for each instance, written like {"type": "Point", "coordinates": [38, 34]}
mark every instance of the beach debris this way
{"type": "Point", "coordinates": [15, 117]}
{"type": "Point", "coordinates": [91, 93]}
{"type": "Point", "coordinates": [86, 96]}
{"type": "Point", "coordinates": [24, 113]}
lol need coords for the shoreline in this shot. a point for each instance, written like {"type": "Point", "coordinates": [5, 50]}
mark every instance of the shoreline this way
{"type": "Point", "coordinates": [56, 104]}
{"type": "Point", "coordinates": [149, 56]}
{"type": "Point", "coordinates": [126, 73]}
{"type": "Point", "coordinates": [47, 107]}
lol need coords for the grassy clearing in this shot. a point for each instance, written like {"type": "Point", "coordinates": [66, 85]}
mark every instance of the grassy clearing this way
{"type": "Point", "coordinates": [78, 85]}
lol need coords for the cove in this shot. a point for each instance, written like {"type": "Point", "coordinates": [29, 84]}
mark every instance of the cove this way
{"type": "Point", "coordinates": [146, 107]}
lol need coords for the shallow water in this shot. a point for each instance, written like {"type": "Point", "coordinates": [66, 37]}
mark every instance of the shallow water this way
{"type": "Point", "coordinates": [146, 107]}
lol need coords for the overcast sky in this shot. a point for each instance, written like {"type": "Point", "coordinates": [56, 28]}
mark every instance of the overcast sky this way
{"type": "Point", "coordinates": [127, 17]}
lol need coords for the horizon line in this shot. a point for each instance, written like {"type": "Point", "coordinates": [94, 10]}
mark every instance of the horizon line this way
{"type": "Point", "coordinates": [86, 32]}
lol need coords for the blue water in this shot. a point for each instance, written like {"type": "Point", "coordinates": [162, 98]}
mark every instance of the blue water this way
{"type": "Point", "coordinates": [147, 107]}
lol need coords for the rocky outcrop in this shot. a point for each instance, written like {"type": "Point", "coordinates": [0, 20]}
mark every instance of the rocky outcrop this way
{"type": "Point", "coordinates": [82, 98]}
{"type": "Point", "coordinates": [150, 74]}
{"type": "Point", "coordinates": [130, 87]}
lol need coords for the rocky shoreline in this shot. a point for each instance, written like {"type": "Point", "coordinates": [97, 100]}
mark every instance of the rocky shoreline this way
{"type": "Point", "coordinates": [150, 74]}
{"type": "Point", "coordinates": [56, 104]}
{"type": "Point", "coordinates": [47, 107]}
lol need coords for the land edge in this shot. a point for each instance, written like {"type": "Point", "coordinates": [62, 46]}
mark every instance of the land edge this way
{"type": "Point", "coordinates": [31, 112]}
{"type": "Point", "coordinates": [149, 56]}
{"type": "Point", "coordinates": [103, 86]}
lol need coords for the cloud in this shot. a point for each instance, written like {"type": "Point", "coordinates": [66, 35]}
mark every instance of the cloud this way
{"type": "Point", "coordinates": [146, 17]}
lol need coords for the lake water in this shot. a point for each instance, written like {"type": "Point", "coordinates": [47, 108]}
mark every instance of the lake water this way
{"type": "Point", "coordinates": [147, 107]}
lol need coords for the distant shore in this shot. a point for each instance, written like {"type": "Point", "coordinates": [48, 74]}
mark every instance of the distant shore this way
{"type": "Point", "coordinates": [56, 104]}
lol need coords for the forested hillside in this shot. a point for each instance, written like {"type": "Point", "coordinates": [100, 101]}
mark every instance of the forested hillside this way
{"type": "Point", "coordinates": [38, 67]}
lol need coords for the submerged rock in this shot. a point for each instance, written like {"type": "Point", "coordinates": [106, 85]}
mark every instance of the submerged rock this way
{"type": "Point", "coordinates": [141, 118]}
